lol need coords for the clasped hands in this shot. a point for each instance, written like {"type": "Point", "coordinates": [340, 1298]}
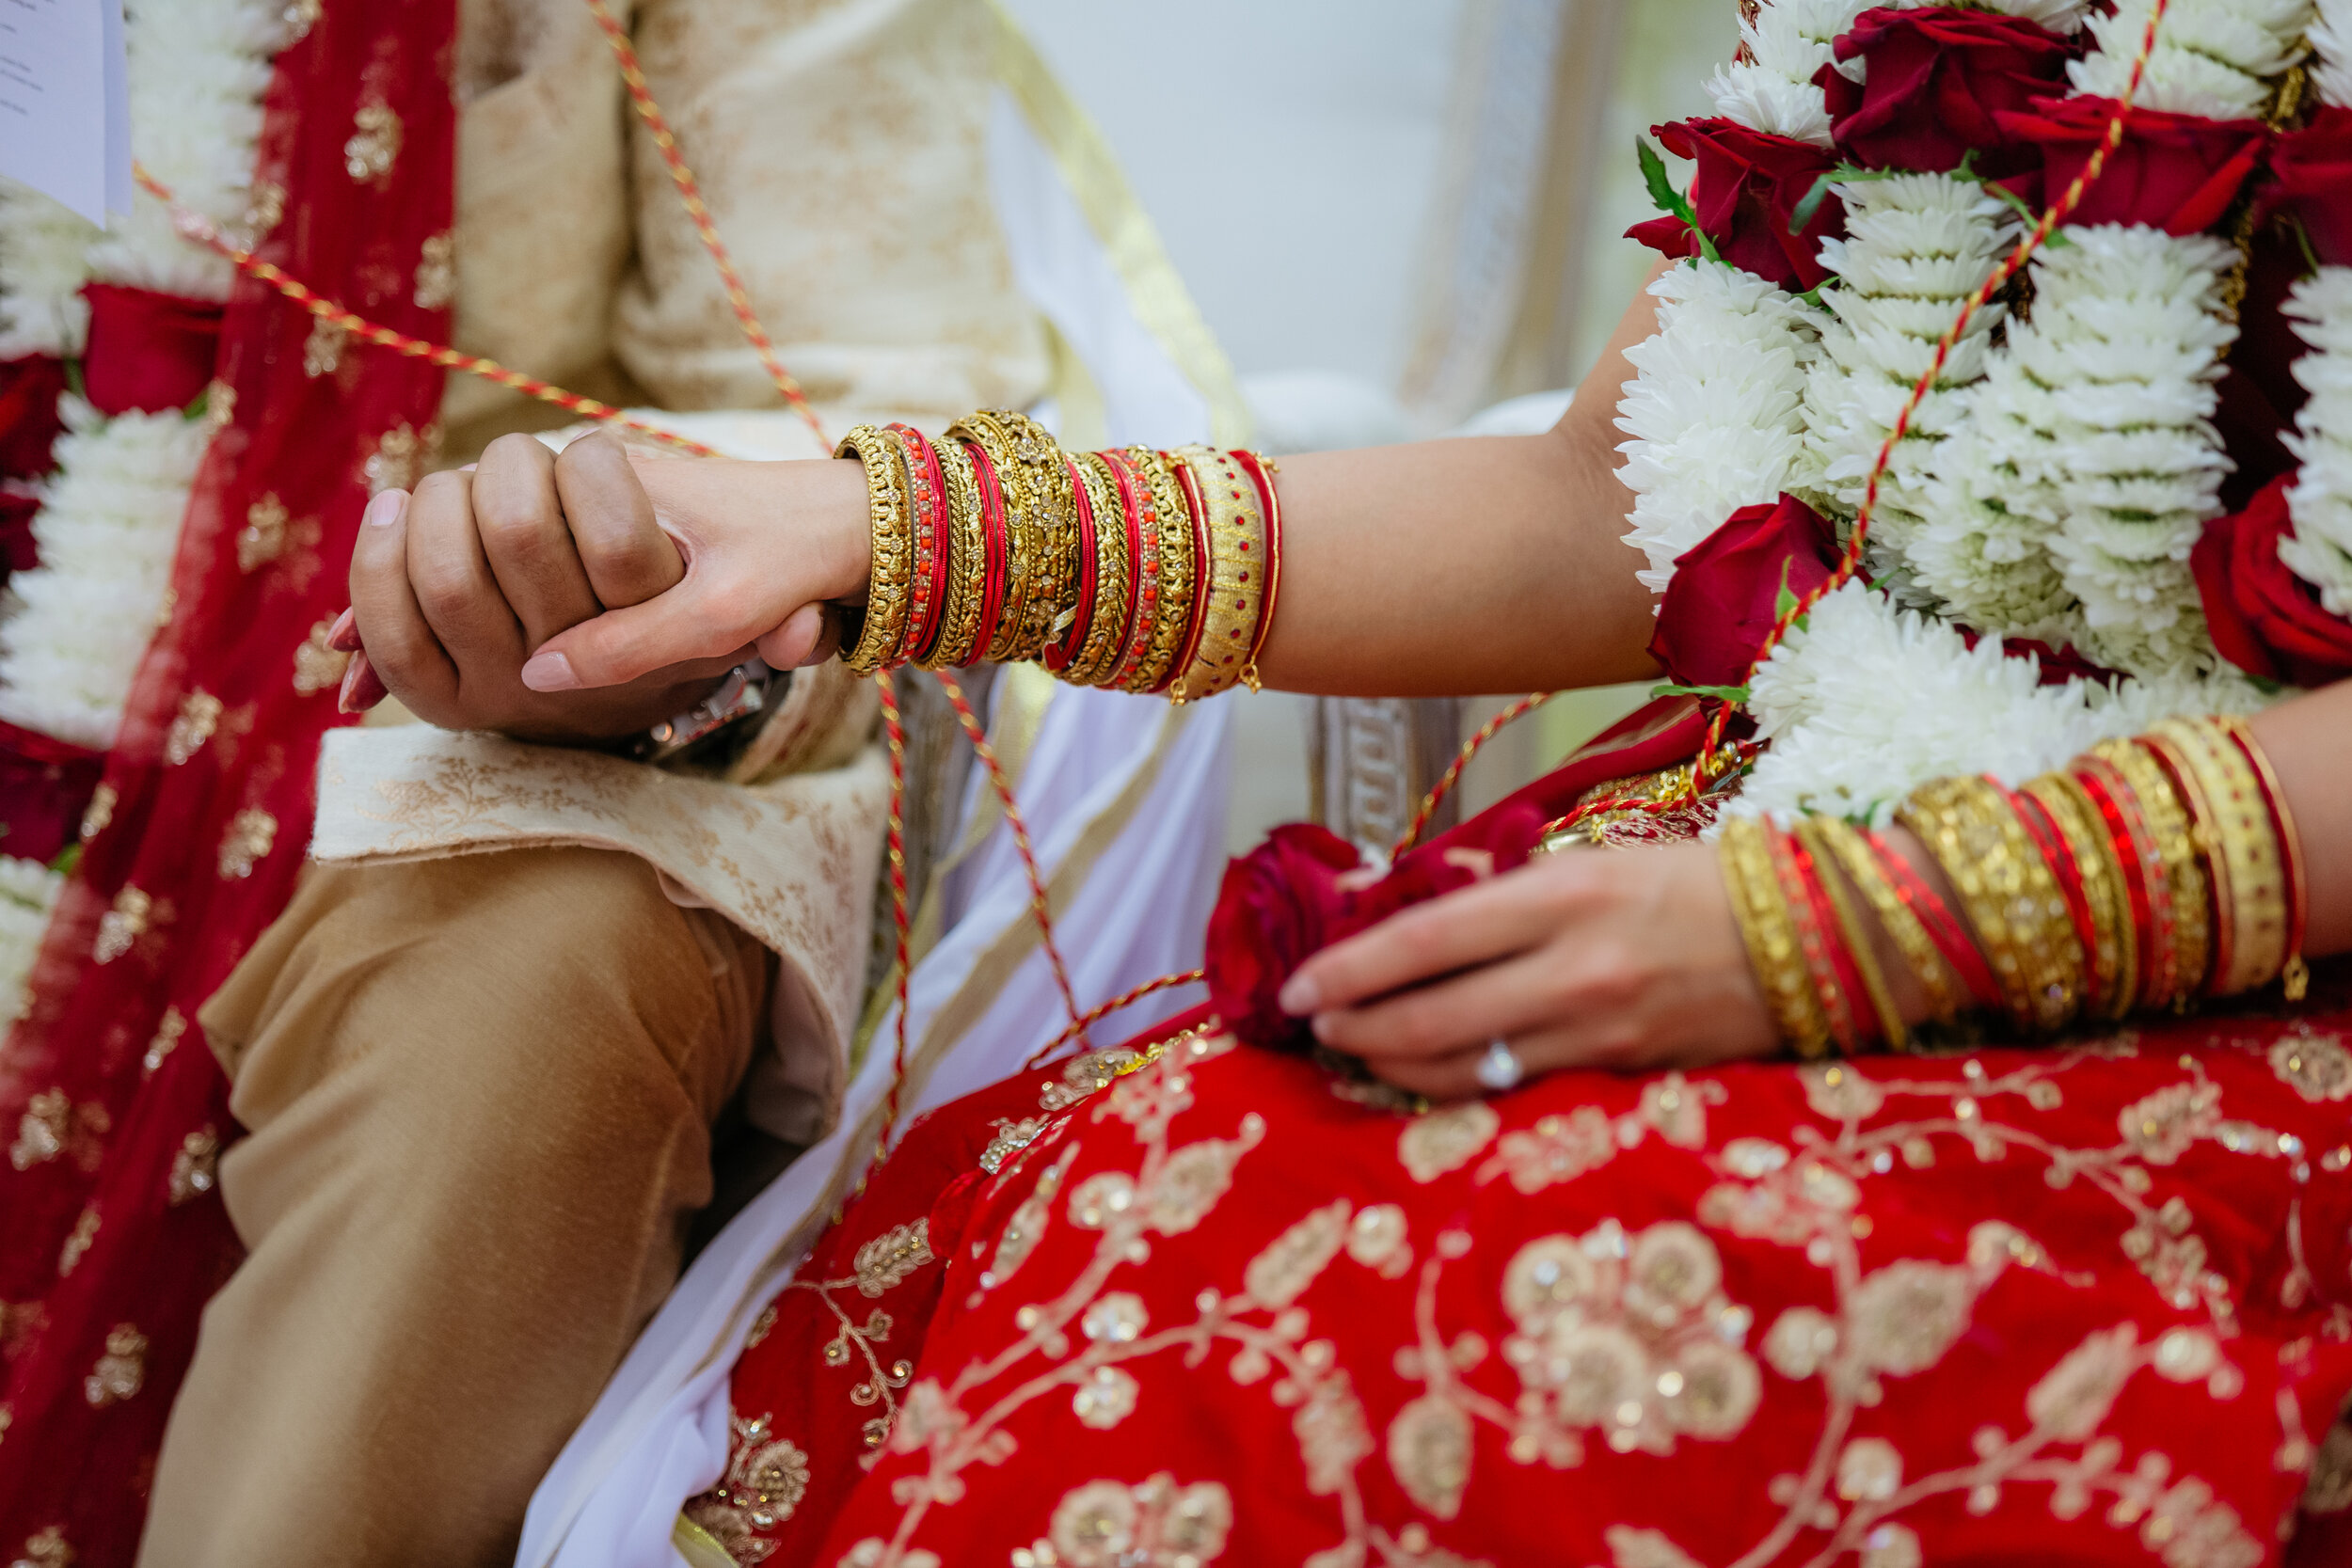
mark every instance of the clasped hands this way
{"type": "Point", "coordinates": [582, 597]}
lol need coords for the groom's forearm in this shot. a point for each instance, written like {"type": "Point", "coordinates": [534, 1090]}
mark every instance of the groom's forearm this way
{"type": "Point", "coordinates": [1464, 566]}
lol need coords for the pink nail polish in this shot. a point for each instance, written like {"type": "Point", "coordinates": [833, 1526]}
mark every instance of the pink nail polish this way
{"type": "Point", "coordinates": [343, 635]}
{"type": "Point", "coordinates": [549, 672]}
{"type": "Point", "coordinates": [385, 509]}
{"type": "Point", "coordinates": [362, 687]}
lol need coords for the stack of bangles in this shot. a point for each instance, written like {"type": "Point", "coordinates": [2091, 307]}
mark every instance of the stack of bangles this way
{"type": "Point", "coordinates": [1138, 570]}
{"type": "Point", "coordinates": [2146, 873]}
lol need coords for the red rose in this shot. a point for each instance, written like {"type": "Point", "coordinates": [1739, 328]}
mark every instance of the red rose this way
{"type": "Point", "coordinates": [2265, 619]}
{"type": "Point", "coordinates": [1722, 599]}
{"type": "Point", "coordinates": [148, 351]}
{"type": "Point", "coordinates": [28, 413]}
{"type": "Point", "coordinates": [1306, 888]}
{"type": "Point", "coordinates": [2310, 177]}
{"type": "Point", "coordinates": [2174, 172]}
{"type": "Point", "coordinates": [1747, 186]}
{"type": "Point", "coordinates": [17, 551]}
{"type": "Point", "coordinates": [1937, 83]}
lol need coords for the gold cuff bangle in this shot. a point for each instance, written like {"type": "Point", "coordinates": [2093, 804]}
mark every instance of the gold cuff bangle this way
{"type": "Point", "coordinates": [888, 585]}
{"type": "Point", "coordinates": [1768, 929]}
{"type": "Point", "coordinates": [1234, 579]}
{"type": "Point", "coordinates": [2242, 852]}
{"type": "Point", "coordinates": [2011, 896]}
{"type": "Point", "coordinates": [2115, 952]}
{"type": "Point", "coordinates": [2183, 869]}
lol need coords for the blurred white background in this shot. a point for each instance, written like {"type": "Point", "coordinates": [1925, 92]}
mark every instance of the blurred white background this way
{"type": "Point", "coordinates": [1391, 212]}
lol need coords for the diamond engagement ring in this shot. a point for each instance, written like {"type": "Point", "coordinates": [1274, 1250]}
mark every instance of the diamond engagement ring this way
{"type": "Point", "coordinates": [1499, 1070]}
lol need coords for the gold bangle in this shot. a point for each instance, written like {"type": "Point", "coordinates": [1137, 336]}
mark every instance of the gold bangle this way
{"type": "Point", "coordinates": [1898, 919]}
{"type": "Point", "coordinates": [2181, 867]}
{"type": "Point", "coordinates": [1233, 580]}
{"type": "Point", "coordinates": [2243, 854]}
{"type": "Point", "coordinates": [967, 562]}
{"type": "Point", "coordinates": [887, 593]}
{"type": "Point", "coordinates": [1177, 575]}
{"type": "Point", "coordinates": [2115, 948]}
{"type": "Point", "coordinates": [2294, 972]}
{"type": "Point", "coordinates": [1770, 933]}
{"type": "Point", "coordinates": [2011, 896]}
{"type": "Point", "coordinates": [1093, 664]}
{"type": "Point", "coordinates": [1815, 834]}
{"type": "Point", "coordinates": [1040, 529]}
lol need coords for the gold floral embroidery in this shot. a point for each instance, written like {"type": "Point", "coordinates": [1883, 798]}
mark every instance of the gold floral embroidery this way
{"type": "Point", "coordinates": [122, 926]}
{"type": "Point", "coordinates": [247, 842]}
{"type": "Point", "coordinates": [890, 1257]}
{"type": "Point", "coordinates": [199, 717]}
{"type": "Point", "coordinates": [1429, 1453]}
{"type": "Point", "coordinates": [1445, 1140]}
{"type": "Point", "coordinates": [1375, 1239]}
{"type": "Point", "coordinates": [262, 539]}
{"type": "Point", "coordinates": [99, 813]}
{"type": "Point", "coordinates": [393, 464]}
{"type": "Point", "coordinates": [220, 405]}
{"type": "Point", "coordinates": [1630, 1547]}
{"type": "Point", "coordinates": [1011, 1138]}
{"type": "Point", "coordinates": [263, 210]}
{"type": "Point", "coordinates": [316, 666]}
{"type": "Point", "coordinates": [322, 351]}
{"type": "Point", "coordinates": [2316, 1065]}
{"type": "Point", "coordinates": [1086, 1075]}
{"type": "Point", "coordinates": [121, 1372]}
{"type": "Point", "coordinates": [1028, 1222]}
{"type": "Point", "coordinates": [1156, 1523]}
{"type": "Point", "coordinates": [19, 1323]}
{"type": "Point", "coordinates": [78, 1240]}
{"type": "Point", "coordinates": [47, 1549]}
{"type": "Point", "coordinates": [195, 1167]}
{"type": "Point", "coordinates": [375, 144]}
{"type": "Point", "coordinates": [2330, 1488]}
{"type": "Point", "coordinates": [167, 1032]}
{"type": "Point", "coordinates": [54, 1125]}
{"type": "Point", "coordinates": [437, 272]}
{"type": "Point", "coordinates": [1557, 1149]}
{"type": "Point", "coordinates": [767, 1477]}
{"type": "Point", "coordinates": [1292, 1261]}
{"type": "Point", "coordinates": [2160, 1127]}
{"type": "Point", "coordinates": [301, 16]}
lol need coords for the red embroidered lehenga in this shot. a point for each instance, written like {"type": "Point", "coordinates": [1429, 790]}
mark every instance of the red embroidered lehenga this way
{"type": "Point", "coordinates": [1187, 1302]}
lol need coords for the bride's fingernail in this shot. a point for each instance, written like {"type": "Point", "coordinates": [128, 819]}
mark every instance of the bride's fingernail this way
{"type": "Point", "coordinates": [549, 672]}
{"type": "Point", "coordinates": [362, 687]}
{"type": "Point", "coordinates": [385, 509]}
{"type": "Point", "coordinates": [1300, 995]}
{"type": "Point", "coordinates": [343, 635]}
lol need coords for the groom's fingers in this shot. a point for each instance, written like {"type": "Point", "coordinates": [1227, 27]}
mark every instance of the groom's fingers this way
{"type": "Point", "coordinates": [629, 558]}
{"type": "Point", "coordinates": [400, 647]}
{"type": "Point", "coordinates": [523, 533]}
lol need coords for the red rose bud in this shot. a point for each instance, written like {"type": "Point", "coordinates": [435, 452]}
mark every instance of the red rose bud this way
{"type": "Point", "coordinates": [1936, 85]}
{"type": "Point", "coordinates": [28, 413]}
{"type": "Point", "coordinates": [148, 351]}
{"type": "Point", "coordinates": [2311, 179]}
{"type": "Point", "coordinates": [1744, 193]}
{"type": "Point", "coordinates": [1725, 597]}
{"type": "Point", "coordinates": [2265, 619]}
{"type": "Point", "coordinates": [2174, 172]}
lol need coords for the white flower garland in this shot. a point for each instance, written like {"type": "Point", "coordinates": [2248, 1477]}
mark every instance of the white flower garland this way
{"type": "Point", "coordinates": [1867, 701]}
{"type": "Point", "coordinates": [2330, 38]}
{"type": "Point", "coordinates": [110, 516]}
{"type": "Point", "coordinates": [28, 892]}
{"type": "Point", "coordinates": [2320, 500]}
{"type": "Point", "coordinates": [1716, 413]}
{"type": "Point", "coordinates": [2213, 57]}
{"type": "Point", "coordinates": [1917, 246]}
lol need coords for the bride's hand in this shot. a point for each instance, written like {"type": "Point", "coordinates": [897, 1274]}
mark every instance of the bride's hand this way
{"type": "Point", "coordinates": [768, 546]}
{"type": "Point", "coordinates": [1625, 959]}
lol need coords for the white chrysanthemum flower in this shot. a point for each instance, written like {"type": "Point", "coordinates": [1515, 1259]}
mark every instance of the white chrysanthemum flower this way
{"type": "Point", "coordinates": [1786, 44]}
{"type": "Point", "coordinates": [2320, 500]}
{"type": "Point", "coordinates": [42, 268]}
{"type": "Point", "coordinates": [1868, 701]}
{"type": "Point", "coordinates": [2330, 38]}
{"type": "Point", "coordinates": [1715, 412]}
{"type": "Point", "coordinates": [28, 891]}
{"type": "Point", "coordinates": [107, 530]}
{"type": "Point", "coordinates": [1917, 246]}
{"type": "Point", "coordinates": [197, 74]}
{"type": "Point", "coordinates": [2213, 57]}
{"type": "Point", "coordinates": [2122, 353]}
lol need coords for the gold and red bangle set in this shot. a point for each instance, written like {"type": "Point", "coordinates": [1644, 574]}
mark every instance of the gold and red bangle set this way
{"type": "Point", "coordinates": [1134, 569]}
{"type": "Point", "coordinates": [2146, 873]}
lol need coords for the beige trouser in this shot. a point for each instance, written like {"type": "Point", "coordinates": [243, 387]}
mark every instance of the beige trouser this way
{"type": "Point", "coordinates": [480, 1093]}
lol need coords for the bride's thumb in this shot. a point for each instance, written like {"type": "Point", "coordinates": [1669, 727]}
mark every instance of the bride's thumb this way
{"type": "Point", "coordinates": [618, 646]}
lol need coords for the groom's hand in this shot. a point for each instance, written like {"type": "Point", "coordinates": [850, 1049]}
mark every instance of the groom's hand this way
{"type": "Point", "coordinates": [455, 586]}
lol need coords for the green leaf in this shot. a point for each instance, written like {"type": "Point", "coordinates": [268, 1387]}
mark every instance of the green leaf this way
{"type": "Point", "coordinates": [1736, 695]}
{"type": "Point", "coordinates": [68, 858]}
{"type": "Point", "coordinates": [2303, 238]}
{"type": "Point", "coordinates": [199, 404]}
{"type": "Point", "coordinates": [1801, 215]}
{"type": "Point", "coordinates": [73, 377]}
{"type": "Point", "coordinates": [1672, 201]}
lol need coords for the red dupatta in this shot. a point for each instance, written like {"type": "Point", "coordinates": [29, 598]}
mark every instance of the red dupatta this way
{"type": "Point", "coordinates": [109, 1249]}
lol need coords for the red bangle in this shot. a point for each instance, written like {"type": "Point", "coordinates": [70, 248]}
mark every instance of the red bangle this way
{"type": "Point", "coordinates": [926, 615]}
{"type": "Point", "coordinates": [1144, 532]}
{"type": "Point", "coordinates": [1059, 654]}
{"type": "Point", "coordinates": [1190, 483]}
{"type": "Point", "coordinates": [2289, 853]}
{"type": "Point", "coordinates": [992, 536]}
{"type": "Point", "coordinates": [2143, 873]}
{"type": "Point", "coordinates": [1817, 926]}
{"type": "Point", "coordinates": [1936, 918]}
{"type": "Point", "coordinates": [2059, 856]}
{"type": "Point", "coordinates": [1273, 566]}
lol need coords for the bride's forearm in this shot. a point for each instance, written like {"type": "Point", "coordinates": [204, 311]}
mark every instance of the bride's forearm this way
{"type": "Point", "coordinates": [2309, 743]}
{"type": "Point", "coordinates": [1469, 565]}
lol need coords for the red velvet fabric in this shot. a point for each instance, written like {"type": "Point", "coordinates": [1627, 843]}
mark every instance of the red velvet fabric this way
{"type": "Point", "coordinates": [104, 1240]}
{"type": "Point", "coordinates": [148, 351]}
